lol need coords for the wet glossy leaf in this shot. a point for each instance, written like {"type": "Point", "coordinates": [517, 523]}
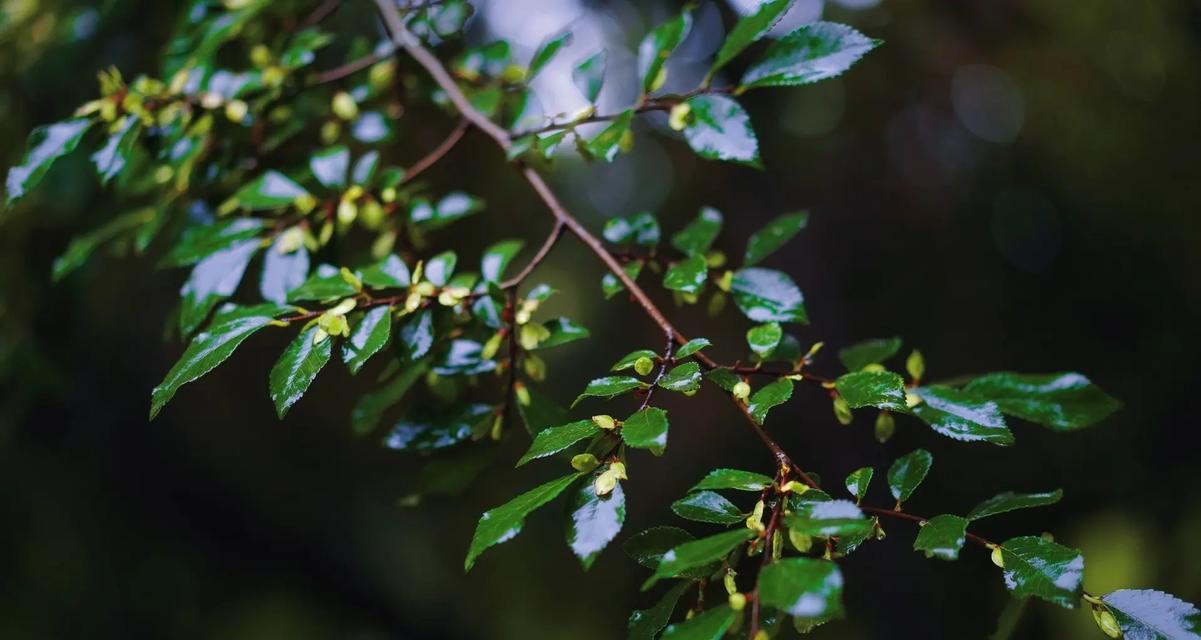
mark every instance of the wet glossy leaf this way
{"type": "Point", "coordinates": [858, 481]}
{"type": "Point", "coordinates": [658, 45]}
{"type": "Point", "coordinates": [710, 625]}
{"type": "Point", "coordinates": [1038, 567]}
{"type": "Point", "coordinates": [282, 272]}
{"type": "Point", "coordinates": [1061, 401]}
{"type": "Point", "coordinates": [370, 408]}
{"type": "Point", "coordinates": [198, 243]}
{"type": "Point", "coordinates": [684, 378]}
{"type": "Point", "coordinates": [230, 327]}
{"type": "Point", "coordinates": [632, 357]}
{"type": "Point", "coordinates": [697, 553]}
{"type": "Point", "coordinates": [723, 378]}
{"type": "Point", "coordinates": [942, 537]}
{"type": "Point", "coordinates": [329, 166]}
{"type": "Point", "coordinates": [607, 143]}
{"type": "Point", "coordinates": [271, 190]}
{"type": "Point", "coordinates": [83, 246]}
{"type": "Point", "coordinates": [555, 439]}
{"type": "Point", "coordinates": [609, 386]}
{"type": "Point", "coordinates": [698, 236]}
{"type": "Point", "coordinates": [416, 335]}
{"type": "Point", "coordinates": [546, 53]}
{"type": "Point", "coordinates": [764, 339]}
{"type": "Point", "coordinates": [881, 389]}
{"type": "Point", "coordinates": [687, 275]}
{"type": "Point", "coordinates": [962, 415]}
{"type": "Point", "coordinates": [504, 522]}
{"type": "Point", "coordinates": [441, 267]}
{"type": "Point", "coordinates": [611, 286]}
{"type": "Point", "coordinates": [641, 229]}
{"type": "Point", "coordinates": [369, 335]}
{"type": "Point", "coordinates": [46, 144]}
{"type": "Point", "coordinates": [589, 75]}
{"type": "Point", "coordinates": [497, 258]}
{"type": "Point", "coordinates": [692, 346]}
{"type": "Point", "coordinates": [828, 519]}
{"type": "Point", "coordinates": [646, 429]}
{"type": "Point", "coordinates": [542, 412]}
{"type": "Point", "coordinates": [1146, 614]}
{"type": "Point", "coordinates": [645, 624]}
{"type": "Point", "coordinates": [907, 472]}
{"type": "Point", "coordinates": [453, 206]}
{"type": "Point", "coordinates": [861, 354]}
{"type": "Point", "coordinates": [647, 547]}
{"type": "Point", "coordinates": [719, 129]}
{"type": "Point", "coordinates": [594, 521]}
{"type": "Point", "coordinates": [325, 283]}
{"type": "Point", "coordinates": [733, 479]}
{"type": "Point", "coordinates": [772, 236]}
{"type": "Point", "coordinates": [212, 280]}
{"type": "Point", "coordinates": [765, 295]}
{"type": "Point", "coordinates": [770, 396]}
{"type": "Point", "coordinates": [463, 358]}
{"type": "Point", "coordinates": [364, 168]}
{"type": "Point", "coordinates": [803, 587]}
{"type": "Point", "coordinates": [426, 431]}
{"type": "Point", "coordinates": [707, 506]}
{"type": "Point", "coordinates": [748, 29]}
{"type": "Point", "coordinates": [1010, 501]}
{"type": "Point", "coordinates": [296, 369]}
{"type": "Point", "coordinates": [389, 273]}
{"type": "Point", "coordinates": [814, 52]}
{"type": "Point", "coordinates": [112, 158]}
{"type": "Point", "coordinates": [562, 331]}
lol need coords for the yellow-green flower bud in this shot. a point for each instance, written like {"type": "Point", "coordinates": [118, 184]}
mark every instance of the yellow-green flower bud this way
{"type": "Point", "coordinates": [777, 546]}
{"type": "Point", "coordinates": [874, 367]}
{"type": "Point", "coordinates": [660, 78]}
{"type": "Point", "coordinates": [1106, 621]}
{"type": "Point", "coordinates": [644, 365]}
{"type": "Point", "coordinates": [534, 367]}
{"type": "Point", "coordinates": [412, 302]}
{"type": "Point", "coordinates": [347, 211]}
{"type": "Point", "coordinates": [997, 557]}
{"type": "Point", "coordinates": [351, 279]}
{"type": "Point", "coordinates": [273, 76]}
{"type": "Point", "coordinates": [605, 422]}
{"type": "Point", "coordinates": [842, 411]}
{"type": "Point", "coordinates": [236, 110]}
{"type": "Point", "coordinates": [498, 426]}
{"type": "Point", "coordinates": [725, 281]}
{"type": "Point", "coordinates": [491, 347]}
{"type": "Point", "coordinates": [425, 289]}
{"type": "Point", "coordinates": [584, 462]}
{"type": "Point", "coordinates": [330, 131]}
{"type": "Point", "coordinates": [319, 336]}
{"type": "Point", "coordinates": [290, 240]}
{"type": "Point", "coordinates": [532, 334]}
{"type": "Point", "coordinates": [715, 259]}
{"type": "Point", "coordinates": [371, 214]}
{"type": "Point", "coordinates": [343, 308]}
{"type": "Point", "coordinates": [800, 541]}
{"type": "Point", "coordinates": [761, 635]}
{"type": "Point", "coordinates": [344, 106]}
{"type": "Point", "coordinates": [619, 470]}
{"type": "Point", "coordinates": [523, 394]}
{"type": "Point", "coordinates": [728, 581]}
{"type": "Point", "coordinates": [627, 141]}
{"type": "Point", "coordinates": [678, 118]}
{"type": "Point", "coordinates": [741, 390]}
{"type": "Point", "coordinates": [915, 364]}
{"type": "Point", "coordinates": [737, 601]}
{"type": "Point", "coordinates": [755, 521]}
{"type": "Point", "coordinates": [260, 55]}
{"type": "Point", "coordinates": [381, 74]}
{"type": "Point", "coordinates": [792, 486]}
{"type": "Point", "coordinates": [605, 483]}
{"type": "Point", "coordinates": [450, 296]}
{"type": "Point", "coordinates": [886, 425]}
{"type": "Point", "coordinates": [912, 399]}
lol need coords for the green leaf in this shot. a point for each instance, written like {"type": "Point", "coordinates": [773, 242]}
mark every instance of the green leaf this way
{"type": "Point", "coordinates": [611, 286]}
{"type": "Point", "coordinates": [687, 275]}
{"type": "Point", "coordinates": [555, 439]}
{"type": "Point", "coordinates": [814, 52]}
{"type": "Point", "coordinates": [416, 335]}
{"type": "Point", "coordinates": [296, 369]}
{"type": "Point", "coordinates": [632, 357]}
{"type": "Point", "coordinates": [828, 519]}
{"type": "Point", "coordinates": [198, 243]}
{"type": "Point", "coordinates": [112, 158]}
{"type": "Point", "coordinates": [594, 521]}
{"type": "Point", "coordinates": [453, 206]}
{"type": "Point", "coordinates": [504, 522]}
{"type": "Point", "coordinates": [942, 537]}
{"type": "Point", "coordinates": [858, 481]}
{"type": "Point", "coordinates": [211, 347]}
{"type": "Point", "coordinates": [1038, 567]}
{"type": "Point", "coordinates": [733, 479]}
{"type": "Point", "coordinates": [862, 354]}
{"type": "Point", "coordinates": [658, 45]}
{"type": "Point", "coordinates": [770, 396]}
{"type": "Point", "coordinates": [389, 273]}
{"type": "Point", "coordinates": [545, 53]}
{"type": "Point", "coordinates": [589, 75]}
{"type": "Point", "coordinates": [212, 280]}
{"type": "Point", "coordinates": [607, 143]}
{"type": "Point", "coordinates": [692, 346]}
{"type": "Point", "coordinates": [698, 236]}
{"type": "Point", "coordinates": [46, 144]}
{"type": "Point", "coordinates": [723, 378]}
{"type": "Point", "coordinates": [463, 358]}
{"type": "Point", "coordinates": [684, 378]}
{"type": "Point", "coordinates": [907, 472]}
{"type": "Point", "coordinates": [719, 129]}
{"type": "Point", "coordinates": [282, 272]}
{"type": "Point", "coordinates": [542, 412]}
{"type": "Point", "coordinates": [329, 166]}
{"type": "Point", "coordinates": [802, 587]}
{"type": "Point", "coordinates": [647, 547]}
{"type": "Point", "coordinates": [765, 295]}
{"type": "Point", "coordinates": [645, 624]}
{"type": "Point", "coordinates": [646, 429]}
{"type": "Point", "coordinates": [562, 331]}
{"type": "Point", "coordinates": [364, 168]}
{"type": "Point", "coordinates": [370, 408]}
{"type": "Point", "coordinates": [367, 338]}
{"type": "Point", "coordinates": [609, 387]}
{"type": "Point", "coordinates": [962, 415]}
{"type": "Point", "coordinates": [326, 283]}
{"type": "Point", "coordinates": [773, 236]}
{"type": "Point", "coordinates": [271, 190]}
{"type": "Point", "coordinates": [1061, 401]}
{"type": "Point", "coordinates": [441, 267]}
{"type": "Point", "coordinates": [641, 229]}
{"type": "Point", "coordinates": [763, 339]}
{"type": "Point", "coordinates": [710, 625]}
{"type": "Point", "coordinates": [83, 246]}
{"type": "Point", "coordinates": [707, 506]}
{"type": "Point", "coordinates": [1010, 501]}
{"type": "Point", "coordinates": [497, 258]}
{"type": "Point", "coordinates": [749, 28]}
{"type": "Point", "coordinates": [1146, 614]}
{"type": "Point", "coordinates": [425, 431]}
{"type": "Point", "coordinates": [881, 389]}
{"type": "Point", "coordinates": [697, 553]}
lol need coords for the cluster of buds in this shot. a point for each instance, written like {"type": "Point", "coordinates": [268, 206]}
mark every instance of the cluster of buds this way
{"type": "Point", "coordinates": [607, 481]}
{"type": "Point", "coordinates": [333, 321]}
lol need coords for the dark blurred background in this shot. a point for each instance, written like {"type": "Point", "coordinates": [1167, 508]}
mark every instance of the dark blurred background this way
{"type": "Point", "coordinates": [1007, 184]}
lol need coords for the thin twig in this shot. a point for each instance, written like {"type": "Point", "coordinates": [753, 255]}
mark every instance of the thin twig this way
{"type": "Point", "coordinates": [319, 14]}
{"type": "Point", "coordinates": [441, 150]}
{"type": "Point", "coordinates": [551, 238]}
{"type": "Point", "coordinates": [668, 360]}
{"type": "Point", "coordinates": [354, 66]}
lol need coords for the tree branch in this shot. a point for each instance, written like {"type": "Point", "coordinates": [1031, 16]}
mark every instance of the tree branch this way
{"type": "Point", "coordinates": [551, 238]}
{"type": "Point", "coordinates": [432, 158]}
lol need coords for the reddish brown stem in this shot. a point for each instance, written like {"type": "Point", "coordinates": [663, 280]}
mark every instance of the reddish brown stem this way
{"type": "Point", "coordinates": [432, 158]}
